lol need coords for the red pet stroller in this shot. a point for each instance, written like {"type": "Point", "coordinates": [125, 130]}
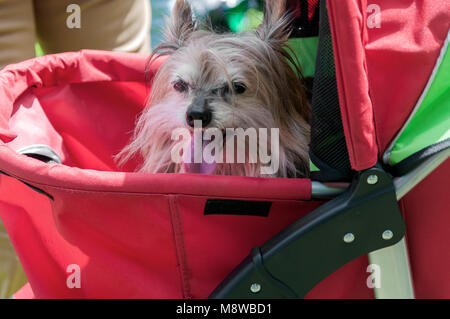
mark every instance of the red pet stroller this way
{"type": "Point", "coordinates": [380, 142]}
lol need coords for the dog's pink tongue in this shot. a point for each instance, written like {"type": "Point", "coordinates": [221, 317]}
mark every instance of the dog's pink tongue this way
{"type": "Point", "coordinates": [194, 162]}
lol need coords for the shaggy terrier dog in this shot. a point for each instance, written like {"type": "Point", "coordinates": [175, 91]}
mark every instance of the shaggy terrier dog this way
{"type": "Point", "coordinates": [225, 81]}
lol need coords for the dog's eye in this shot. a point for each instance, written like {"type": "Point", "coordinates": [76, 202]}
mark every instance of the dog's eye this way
{"type": "Point", "coordinates": [180, 86]}
{"type": "Point", "coordinates": [239, 88]}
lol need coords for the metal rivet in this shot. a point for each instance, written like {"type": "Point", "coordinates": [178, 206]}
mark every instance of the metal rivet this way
{"type": "Point", "coordinates": [255, 288]}
{"type": "Point", "coordinates": [372, 179]}
{"type": "Point", "coordinates": [349, 237]}
{"type": "Point", "coordinates": [387, 234]}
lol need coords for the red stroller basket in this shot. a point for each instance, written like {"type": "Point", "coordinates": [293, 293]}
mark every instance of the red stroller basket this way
{"type": "Point", "coordinates": [133, 235]}
{"type": "Point", "coordinates": [155, 235]}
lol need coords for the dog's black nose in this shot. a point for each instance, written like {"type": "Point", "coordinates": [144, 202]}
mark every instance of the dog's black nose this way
{"type": "Point", "coordinates": [198, 111]}
{"type": "Point", "coordinates": [198, 115]}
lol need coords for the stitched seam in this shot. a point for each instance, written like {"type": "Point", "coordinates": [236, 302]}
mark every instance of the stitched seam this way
{"type": "Point", "coordinates": [355, 159]}
{"type": "Point", "coordinates": [46, 186]}
{"type": "Point", "coordinates": [180, 250]}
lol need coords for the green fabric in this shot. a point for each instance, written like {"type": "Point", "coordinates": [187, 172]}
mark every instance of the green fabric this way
{"type": "Point", "coordinates": [431, 122]}
{"type": "Point", "coordinates": [305, 49]}
{"type": "Point", "coordinates": [312, 167]}
{"type": "Point", "coordinates": [242, 18]}
{"type": "Point", "coordinates": [245, 20]}
{"type": "Point", "coordinates": [38, 49]}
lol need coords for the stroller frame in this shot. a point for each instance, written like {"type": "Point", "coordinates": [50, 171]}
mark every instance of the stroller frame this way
{"type": "Point", "coordinates": [258, 271]}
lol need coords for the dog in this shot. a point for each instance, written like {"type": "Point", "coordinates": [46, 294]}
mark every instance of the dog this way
{"type": "Point", "coordinates": [223, 81]}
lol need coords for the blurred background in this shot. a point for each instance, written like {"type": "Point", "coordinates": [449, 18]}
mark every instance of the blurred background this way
{"type": "Point", "coordinates": [225, 16]}
{"type": "Point", "coordinates": [240, 15]}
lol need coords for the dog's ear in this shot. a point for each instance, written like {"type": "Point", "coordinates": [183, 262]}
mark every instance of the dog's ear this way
{"type": "Point", "coordinates": [180, 25]}
{"type": "Point", "coordinates": [274, 28]}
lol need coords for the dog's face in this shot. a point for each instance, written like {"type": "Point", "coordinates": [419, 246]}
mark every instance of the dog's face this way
{"type": "Point", "coordinates": [225, 81]}
{"type": "Point", "coordinates": [222, 81]}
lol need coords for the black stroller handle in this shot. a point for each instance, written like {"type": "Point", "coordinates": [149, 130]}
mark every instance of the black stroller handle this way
{"type": "Point", "coordinates": [42, 153]}
{"type": "Point", "coordinates": [363, 219]}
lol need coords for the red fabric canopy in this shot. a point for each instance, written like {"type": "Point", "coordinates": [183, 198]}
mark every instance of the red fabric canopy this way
{"type": "Point", "coordinates": [383, 67]}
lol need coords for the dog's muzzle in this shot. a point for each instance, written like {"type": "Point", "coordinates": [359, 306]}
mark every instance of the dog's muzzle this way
{"type": "Point", "coordinates": [198, 111]}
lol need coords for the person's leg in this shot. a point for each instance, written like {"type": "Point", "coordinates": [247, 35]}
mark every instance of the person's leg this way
{"type": "Point", "coordinates": [12, 277]}
{"type": "Point", "coordinates": [115, 25]}
{"type": "Point", "coordinates": [17, 40]}
{"type": "Point", "coordinates": [17, 31]}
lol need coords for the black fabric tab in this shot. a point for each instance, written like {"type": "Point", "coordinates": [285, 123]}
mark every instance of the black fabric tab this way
{"type": "Point", "coordinates": [237, 207]}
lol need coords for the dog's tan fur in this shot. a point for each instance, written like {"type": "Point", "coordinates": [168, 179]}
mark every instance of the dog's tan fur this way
{"type": "Point", "coordinates": [274, 96]}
